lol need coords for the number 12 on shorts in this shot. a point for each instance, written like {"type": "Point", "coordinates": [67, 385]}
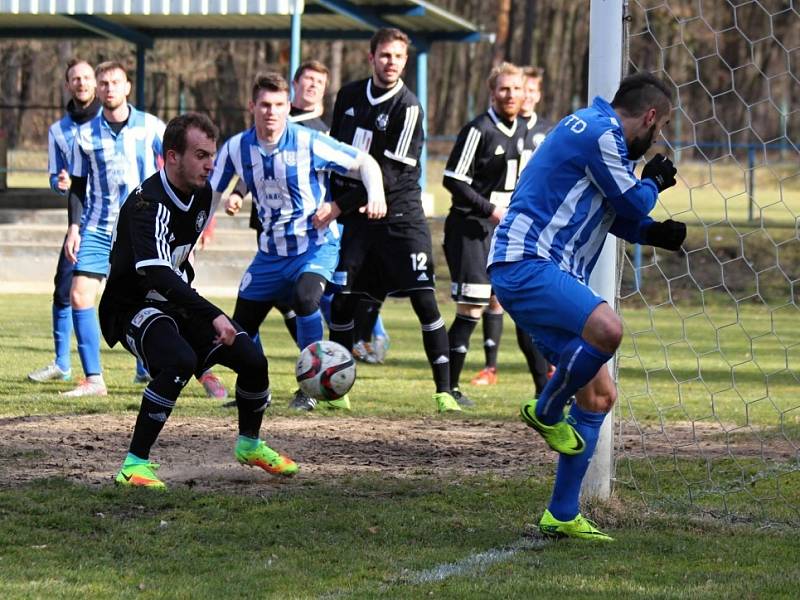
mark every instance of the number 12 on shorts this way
{"type": "Point", "coordinates": [419, 261]}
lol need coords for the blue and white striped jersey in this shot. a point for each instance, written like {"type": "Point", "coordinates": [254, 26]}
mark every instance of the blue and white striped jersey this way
{"type": "Point", "coordinates": [288, 184]}
{"type": "Point", "coordinates": [60, 136]}
{"type": "Point", "coordinates": [115, 163]}
{"type": "Point", "coordinates": [578, 186]}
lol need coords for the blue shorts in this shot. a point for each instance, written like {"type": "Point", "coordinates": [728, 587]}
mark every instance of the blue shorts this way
{"type": "Point", "coordinates": [272, 278]}
{"type": "Point", "coordinates": [93, 255]}
{"type": "Point", "coordinates": [546, 302]}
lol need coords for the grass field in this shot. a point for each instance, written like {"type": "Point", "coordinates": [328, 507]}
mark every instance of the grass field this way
{"type": "Point", "coordinates": [395, 501]}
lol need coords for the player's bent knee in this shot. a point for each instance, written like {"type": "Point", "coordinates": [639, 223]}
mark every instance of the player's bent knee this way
{"type": "Point", "coordinates": [424, 304]}
{"type": "Point", "coordinates": [603, 329]}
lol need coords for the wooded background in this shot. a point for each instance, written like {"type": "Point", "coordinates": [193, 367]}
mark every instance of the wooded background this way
{"type": "Point", "coordinates": [735, 65]}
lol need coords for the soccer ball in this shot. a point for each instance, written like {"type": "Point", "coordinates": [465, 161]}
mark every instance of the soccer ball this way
{"type": "Point", "coordinates": [325, 370]}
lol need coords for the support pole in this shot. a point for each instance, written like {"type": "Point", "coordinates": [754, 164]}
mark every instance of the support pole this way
{"type": "Point", "coordinates": [294, 54]}
{"type": "Point", "coordinates": [140, 75]}
{"type": "Point", "coordinates": [422, 95]}
{"type": "Point", "coordinates": [605, 72]}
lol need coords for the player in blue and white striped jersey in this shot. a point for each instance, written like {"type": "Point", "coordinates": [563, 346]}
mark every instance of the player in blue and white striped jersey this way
{"type": "Point", "coordinates": [83, 105]}
{"type": "Point", "coordinates": [285, 168]}
{"type": "Point", "coordinates": [112, 154]}
{"type": "Point", "coordinates": [578, 187]}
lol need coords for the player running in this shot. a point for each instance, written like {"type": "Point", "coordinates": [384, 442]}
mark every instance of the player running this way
{"type": "Point", "coordinates": [285, 167]}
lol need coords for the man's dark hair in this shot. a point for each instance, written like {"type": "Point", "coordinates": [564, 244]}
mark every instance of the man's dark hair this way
{"type": "Point", "coordinates": [640, 92]}
{"type": "Point", "coordinates": [175, 133]}
{"type": "Point", "coordinates": [385, 35]}
{"type": "Point", "coordinates": [73, 62]}
{"type": "Point", "coordinates": [271, 81]}
{"type": "Point", "coordinates": [310, 65]}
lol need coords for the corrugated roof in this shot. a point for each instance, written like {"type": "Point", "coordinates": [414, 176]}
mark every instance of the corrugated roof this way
{"type": "Point", "coordinates": [235, 18]}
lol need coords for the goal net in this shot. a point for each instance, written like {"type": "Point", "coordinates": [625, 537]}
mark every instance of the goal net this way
{"type": "Point", "coordinates": [708, 416]}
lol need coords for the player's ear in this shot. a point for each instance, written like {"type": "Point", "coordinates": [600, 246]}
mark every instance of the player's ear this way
{"type": "Point", "coordinates": [128, 89]}
{"type": "Point", "coordinates": [650, 116]}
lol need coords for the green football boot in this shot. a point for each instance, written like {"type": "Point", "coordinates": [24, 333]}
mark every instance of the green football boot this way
{"type": "Point", "coordinates": [580, 527]}
{"type": "Point", "coordinates": [264, 457]}
{"type": "Point", "coordinates": [561, 437]}
{"type": "Point", "coordinates": [139, 475]}
{"type": "Point", "coordinates": [445, 402]}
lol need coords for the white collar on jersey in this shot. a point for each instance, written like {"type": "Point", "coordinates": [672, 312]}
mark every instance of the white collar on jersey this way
{"type": "Point", "coordinates": [306, 115]}
{"type": "Point", "coordinates": [532, 120]}
{"type": "Point", "coordinates": [509, 131]}
{"type": "Point", "coordinates": [171, 193]}
{"type": "Point", "coordinates": [373, 100]}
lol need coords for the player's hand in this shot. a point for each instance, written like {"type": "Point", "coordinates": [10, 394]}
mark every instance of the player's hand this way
{"type": "Point", "coordinates": [63, 181]}
{"type": "Point", "coordinates": [72, 244]}
{"type": "Point", "coordinates": [497, 215]}
{"type": "Point", "coordinates": [668, 235]}
{"type": "Point", "coordinates": [226, 332]}
{"type": "Point", "coordinates": [327, 212]}
{"type": "Point", "coordinates": [661, 170]}
{"type": "Point", "coordinates": [233, 204]}
{"type": "Point", "coordinates": [375, 207]}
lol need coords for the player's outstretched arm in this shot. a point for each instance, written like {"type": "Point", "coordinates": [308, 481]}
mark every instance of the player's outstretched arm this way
{"type": "Point", "coordinates": [368, 171]}
{"type": "Point", "coordinates": [668, 234]}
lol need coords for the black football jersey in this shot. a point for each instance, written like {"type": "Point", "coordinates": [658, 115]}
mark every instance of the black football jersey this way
{"type": "Point", "coordinates": [308, 118]}
{"type": "Point", "coordinates": [388, 125]}
{"type": "Point", "coordinates": [537, 129]}
{"type": "Point", "coordinates": [155, 227]}
{"type": "Point", "coordinates": [487, 157]}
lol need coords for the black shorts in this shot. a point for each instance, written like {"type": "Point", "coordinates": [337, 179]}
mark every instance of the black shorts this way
{"type": "Point", "coordinates": [466, 248]}
{"type": "Point", "coordinates": [199, 334]}
{"type": "Point", "coordinates": [387, 259]}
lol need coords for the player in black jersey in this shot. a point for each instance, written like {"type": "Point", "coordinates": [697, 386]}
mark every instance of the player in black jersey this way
{"type": "Point", "coordinates": [150, 307]}
{"type": "Point", "coordinates": [480, 175]}
{"type": "Point", "coordinates": [393, 255]}
{"type": "Point", "coordinates": [537, 127]}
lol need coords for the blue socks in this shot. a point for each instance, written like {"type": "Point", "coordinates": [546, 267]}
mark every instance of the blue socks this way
{"type": "Point", "coordinates": [378, 330]}
{"type": "Point", "coordinates": [140, 370]}
{"type": "Point", "coordinates": [309, 329]}
{"type": "Point", "coordinates": [571, 469]}
{"type": "Point", "coordinates": [87, 332]}
{"type": "Point", "coordinates": [62, 332]}
{"type": "Point", "coordinates": [578, 364]}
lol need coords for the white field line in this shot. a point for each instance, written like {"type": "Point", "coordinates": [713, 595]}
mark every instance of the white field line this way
{"type": "Point", "coordinates": [472, 565]}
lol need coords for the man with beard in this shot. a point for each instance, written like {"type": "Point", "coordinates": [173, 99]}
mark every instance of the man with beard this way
{"type": "Point", "coordinates": [392, 255]}
{"type": "Point", "coordinates": [83, 105]}
{"type": "Point", "coordinates": [480, 175]}
{"type": "Point", "coordinates": [578, 187]}
{"type": "Point", "coordinates": [150, 307]}
{"type": "Point", "coordinates": [112, 154]}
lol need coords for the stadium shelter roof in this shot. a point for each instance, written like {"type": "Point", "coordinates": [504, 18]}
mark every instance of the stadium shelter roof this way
{"type": "Point", "coordinates": [143, 22]}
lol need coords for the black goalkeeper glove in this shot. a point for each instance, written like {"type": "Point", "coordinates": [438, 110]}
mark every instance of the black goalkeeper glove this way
{"type": "Point", "coordinates": [661, 170]}
{"type": "Point", "coordinates": [668, 235]}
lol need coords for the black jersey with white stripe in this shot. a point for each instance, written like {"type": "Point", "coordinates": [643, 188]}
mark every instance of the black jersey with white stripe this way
{"type": "Point", "coordinates": [484, 164]}
{"type": "Point", "coordinates": [157, 227]}
{"type": "Point", "coordinates": [308, 118]}
{"type": "Point", "coordinates": [388, 125]}
{"type": "Point", "coordinates": [537, 128]}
